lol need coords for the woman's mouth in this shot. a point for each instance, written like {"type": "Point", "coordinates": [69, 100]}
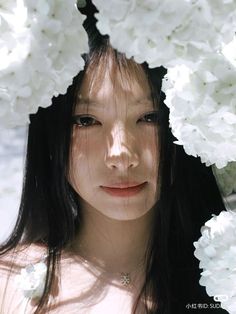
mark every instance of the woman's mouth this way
{"type": "Point", "coordinates": [124, 191]}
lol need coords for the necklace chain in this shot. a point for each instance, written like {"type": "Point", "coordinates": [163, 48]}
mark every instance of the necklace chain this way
{"type": "Point", "coordinates": [125, 278]}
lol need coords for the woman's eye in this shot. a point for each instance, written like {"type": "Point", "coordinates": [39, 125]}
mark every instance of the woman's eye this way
{"type": "Point", "coordinates": [151, 117]}
{"type": "Point", "coordinates": [84, 121]}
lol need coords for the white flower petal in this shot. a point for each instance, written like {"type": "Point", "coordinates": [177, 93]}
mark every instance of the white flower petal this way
{"type": "Point", "coordinates": [154, 31]}
{"type": "Point", "coordinates": [39, 41]}
{"type": "Point", "coordinates": [32, 280]}
{"type": "Point", "coordinates": [202, 107]}
{"type": "Point", "coordinates": [219, 271]}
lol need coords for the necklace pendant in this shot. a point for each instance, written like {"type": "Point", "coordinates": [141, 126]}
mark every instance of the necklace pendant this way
{"type": "Point", "coordinates": [125, 279]}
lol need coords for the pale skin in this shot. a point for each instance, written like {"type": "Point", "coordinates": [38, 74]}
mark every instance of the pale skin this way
{"type": "Point", "coordinates": [121, 146]}
{"type": "Point", "coordinates": [117, 147]}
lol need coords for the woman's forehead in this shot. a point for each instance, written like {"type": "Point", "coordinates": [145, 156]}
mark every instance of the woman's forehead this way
{"type": "Point", "coordinates": [113, 80]}
{"type": "Point", "coordinates": [99, 102]}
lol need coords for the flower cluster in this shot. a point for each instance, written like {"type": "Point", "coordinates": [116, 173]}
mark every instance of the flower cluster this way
{"type": "Point", "coordinates": [41, 44]}
{"type": "Point", "coordinates": [216, 250]}
{"type": "Point", "coordinates": [167, 32]}
{"type": "Point", "coordinates": [32, 280]}
{"type": "Point", "coordinates": [203, 109]}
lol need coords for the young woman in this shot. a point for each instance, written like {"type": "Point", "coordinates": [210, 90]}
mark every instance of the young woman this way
{"type": "Point", "coordinates": [109, 203]}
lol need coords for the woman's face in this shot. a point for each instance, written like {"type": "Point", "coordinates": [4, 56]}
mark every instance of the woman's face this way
{"type": "Point", "coordinates": [114, 158]}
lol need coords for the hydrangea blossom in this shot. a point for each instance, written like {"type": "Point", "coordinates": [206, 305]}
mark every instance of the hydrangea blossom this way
{"type": "Point", "coordinates": [41, 43]}
{"type": "Point", "coordinates": [167, 32]}
{"type": "Point", "coordinates": [216, 250]}
{"type": "Point", "coordinates": [203, 109]}
{"type": "Point", "coordinates": [32, 280]}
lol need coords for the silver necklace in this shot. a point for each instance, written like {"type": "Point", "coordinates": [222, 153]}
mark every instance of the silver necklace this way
{"type": "Point", "coordinates": [125, 279]}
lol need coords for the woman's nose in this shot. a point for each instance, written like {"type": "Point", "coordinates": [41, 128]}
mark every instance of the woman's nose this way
{"type": "Point", "coordinates": [121, 152]}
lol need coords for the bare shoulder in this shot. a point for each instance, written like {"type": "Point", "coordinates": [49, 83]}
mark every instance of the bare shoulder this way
{"type": "Point", "coordinates": [20, 257]}
{"type": "Point", "coordinates": [11, 263]}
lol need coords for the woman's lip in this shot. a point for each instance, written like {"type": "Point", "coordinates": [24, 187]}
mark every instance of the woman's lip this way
{"type": "Point", "coordinates": [124, 185]}
{"type": "Point", "coordinates": [128, 191]}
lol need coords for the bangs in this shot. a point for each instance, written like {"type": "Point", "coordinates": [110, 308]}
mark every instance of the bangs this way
{"type": "Point", "coordinates": [123, 73]}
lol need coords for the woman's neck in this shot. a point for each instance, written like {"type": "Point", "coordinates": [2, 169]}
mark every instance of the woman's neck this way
{"type": "Point", "coordinates": [116, 246]}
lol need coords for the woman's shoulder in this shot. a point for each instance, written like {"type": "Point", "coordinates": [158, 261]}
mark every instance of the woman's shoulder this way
{"type": "Point", "coordinates": [12, 263]}
{"type": "Point", "coordinates": [20, 256]}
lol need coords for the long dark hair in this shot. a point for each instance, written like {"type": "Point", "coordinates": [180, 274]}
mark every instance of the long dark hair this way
{"type": "Point", "coordinates": [49, 212]}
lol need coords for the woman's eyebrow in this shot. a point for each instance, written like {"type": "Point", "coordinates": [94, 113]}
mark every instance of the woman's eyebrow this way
{"type": "Point", "coordinates": [144, 99]}
{"type": "Point", "coordinates": [83, 99]}
{"type": "Point", "coordinates": [96, 103]}
{"type": "Point", "coordinates": [88, 103]}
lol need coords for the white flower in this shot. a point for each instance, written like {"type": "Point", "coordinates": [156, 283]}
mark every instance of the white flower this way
{"type": "Point", "coordinates": [202, 107]}
{"type": "Point", "coordinates": [229, 51]}
{"type": "Point", "coordinates": [226, 178]}
{"type": "Point", "coordinates": [32, 280]}
{"type": "Point", "coordinates": [167, 32]}
{"type": "Point", "coordinates": [216, 250]}
{"type": "Point", "coordinates": [41, 43]}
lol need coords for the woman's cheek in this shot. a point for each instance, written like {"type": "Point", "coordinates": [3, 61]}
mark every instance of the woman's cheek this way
{"type": "Point", "coordinates": [86, 151]}
{"type": "Point", "coordinates": [149, 139]}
